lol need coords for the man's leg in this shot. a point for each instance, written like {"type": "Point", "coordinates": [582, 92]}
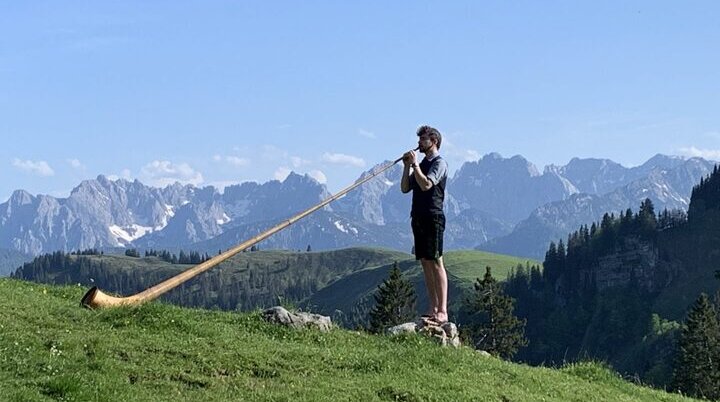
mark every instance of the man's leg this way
{"type": "Point", "coordinates": [429, 274]}
{"type": "Point", "coordinates": [441, 288]}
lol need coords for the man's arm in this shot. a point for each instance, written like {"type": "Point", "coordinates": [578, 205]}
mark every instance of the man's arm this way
{"type": "Point", "coordinates": [423, 181]}
{"type": "Point", "coordinates": [405, 181]}
{"type": "Point", "coordinates": [438, 170]}
{"type": "Point", "coordinates": [408, 159]}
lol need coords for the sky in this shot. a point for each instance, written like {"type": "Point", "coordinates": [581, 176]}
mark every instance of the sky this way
{"type": "Point", "coordinates": [222, 92]}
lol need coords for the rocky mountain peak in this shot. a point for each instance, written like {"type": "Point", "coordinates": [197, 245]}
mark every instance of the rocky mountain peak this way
{"type": "Point", "coordinates": [20, 197]}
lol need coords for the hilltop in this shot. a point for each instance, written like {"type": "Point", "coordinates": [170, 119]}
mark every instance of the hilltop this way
{"type": "Point", "coordinates": [54, 350]}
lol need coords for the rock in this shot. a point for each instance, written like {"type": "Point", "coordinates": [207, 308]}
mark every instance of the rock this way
{"type": "Point", "coordinates": [453, 335]}
{"type": "Point", "coordinates": [484, 353]}
{"type": "Point", "coordinates": [279, 315]}
{"type": "Point", "coordinates": [445, 335]}
{"type": "Point", "coordinates": [407, 328]}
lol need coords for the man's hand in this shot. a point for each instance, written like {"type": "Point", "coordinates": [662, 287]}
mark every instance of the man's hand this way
{"type": "Point", "coordinates": [409, 158]}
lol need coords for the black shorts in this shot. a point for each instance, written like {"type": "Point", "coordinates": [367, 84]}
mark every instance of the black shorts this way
{"type": "Point", "coordinates": [428, 231]}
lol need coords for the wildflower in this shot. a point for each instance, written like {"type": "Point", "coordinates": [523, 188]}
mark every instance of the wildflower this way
{"type": "Point", "coordinates": [54, 351]}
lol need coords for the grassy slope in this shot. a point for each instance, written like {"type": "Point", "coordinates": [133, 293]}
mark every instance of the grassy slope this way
{"type": "Point", "coordinates": [469, 265]}
{"type": "Point", "coordinates": [51, 349]}
{"type": "Point", "coordinates": [463, 268]}
{"type": "Point", "coordinates": [362, 255]}
{"type": "Point", "coordinates": [356, 272]}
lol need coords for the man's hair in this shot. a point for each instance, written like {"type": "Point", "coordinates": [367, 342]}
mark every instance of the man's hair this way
{"type": "Point", "coordinates": [431, 132]}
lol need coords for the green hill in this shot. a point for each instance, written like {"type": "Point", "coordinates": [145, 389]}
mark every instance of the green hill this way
{"type": "Point", "coordinates": [51, 349]}
{"type": "Point", "coordinates": [326, 281]}
{"type": "Point", "coordinates": [246, 281]}
{"type": "Point", "coordinates": [349, 298]}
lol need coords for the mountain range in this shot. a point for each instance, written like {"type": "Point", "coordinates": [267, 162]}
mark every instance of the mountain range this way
{"type": "Point", "coordinates": [497, 204]}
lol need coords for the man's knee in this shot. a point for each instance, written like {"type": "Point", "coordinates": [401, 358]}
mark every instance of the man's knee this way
{"type": "Point", "coordinates": [433, 262]}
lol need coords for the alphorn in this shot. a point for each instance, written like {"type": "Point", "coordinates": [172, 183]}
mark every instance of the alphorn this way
{"type": "Point", "coordinates": [95, 298]}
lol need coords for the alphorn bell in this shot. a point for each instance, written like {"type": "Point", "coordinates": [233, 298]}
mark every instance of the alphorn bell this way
{"type": "Point", "coordinates": [95, 298]}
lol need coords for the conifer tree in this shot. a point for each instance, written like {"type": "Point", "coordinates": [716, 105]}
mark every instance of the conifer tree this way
{"type": "Point", "coordinates": [646, 217]}
{"type": "Point", "coordinates": [493, 327]}
{"type": "Point", "coordinates": [394, 302]}
{"type": "Point", "coordinates": [697, 368]}
{"type": "Point", "coordinates": [551, 269]}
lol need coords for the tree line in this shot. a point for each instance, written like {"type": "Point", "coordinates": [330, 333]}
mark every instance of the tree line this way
{"type": "Point", "coordinates": [237, 284]}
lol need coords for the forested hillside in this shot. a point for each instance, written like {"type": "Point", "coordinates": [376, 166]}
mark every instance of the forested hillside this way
{"type": "Point", "coordinates": [619, 289]}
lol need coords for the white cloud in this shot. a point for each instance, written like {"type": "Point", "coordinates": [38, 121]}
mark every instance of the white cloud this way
{"type": "Point", "coordinates": [163, 173]}
{"type": "Point", "coordinates": [39, 168]}
{"type": "Point", "coordinates": [318, 175]}
{"type": "Point", "coordinates": [712, 154]}
{"type": "Point", "coordinates": [232, 160]}
{"type": "Point", "coordinates": [237, 161]}
{"type": "Point", "coordinates": [366, 134]}
{"type": "Point", "coordinates": [343, 159]}
{"type": "Point", "coordinates": [75, 163]}
{"type": "Point", "coordinates": [282, 173]}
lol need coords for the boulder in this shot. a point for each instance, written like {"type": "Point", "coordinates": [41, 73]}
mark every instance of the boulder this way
{"type": "Point", "coordinates": [279, 315]}
{"type": "Point", "coordinates": [407, 328]}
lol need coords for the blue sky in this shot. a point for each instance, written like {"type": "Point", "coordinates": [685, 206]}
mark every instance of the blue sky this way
{"type": "Point", "coordinates": [218, 92]}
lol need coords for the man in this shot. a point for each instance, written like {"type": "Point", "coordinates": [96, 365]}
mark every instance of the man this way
{"type": "Point", "coordinates": [427, 182]}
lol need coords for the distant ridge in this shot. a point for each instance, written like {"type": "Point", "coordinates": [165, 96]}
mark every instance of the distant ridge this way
{"type": "Point", "coordinates": [495, 203]}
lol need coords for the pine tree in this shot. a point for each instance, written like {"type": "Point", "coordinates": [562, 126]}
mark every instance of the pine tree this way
{"type": "Point", "coordinates": [697, 368]}
{"type": "Point", "coordinates": [646, 217]}
{"type": "Point", "coordinates": [394, 302]}
{"type": "Point", "coordinates": [493, 327]}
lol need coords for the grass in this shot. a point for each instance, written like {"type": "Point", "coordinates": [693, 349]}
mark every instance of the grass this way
{"type": "Point", "coordinates": [51, 349]}
{"type": "Point", "coordinates": [470, 264]}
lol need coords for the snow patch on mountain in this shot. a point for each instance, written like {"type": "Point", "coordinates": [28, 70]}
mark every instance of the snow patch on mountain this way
{"type": "Point", "coordinates": [128, 234]}
{"type": "Point", "coordinates": [345, 228]}
{"type": "Point", "coordinates": [225, 219]}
